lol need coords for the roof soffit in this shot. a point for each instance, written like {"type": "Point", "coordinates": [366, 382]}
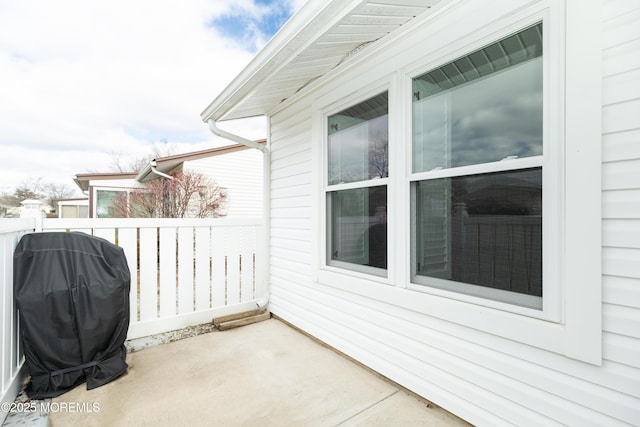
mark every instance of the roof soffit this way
{"type": "Point", "coordinates": [327, 40]}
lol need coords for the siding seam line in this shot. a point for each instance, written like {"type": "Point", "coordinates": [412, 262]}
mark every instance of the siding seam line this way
{"type": "Point", "coordinates": [618, 44]}
{"type": "Point", "coordinates": [619, 73]}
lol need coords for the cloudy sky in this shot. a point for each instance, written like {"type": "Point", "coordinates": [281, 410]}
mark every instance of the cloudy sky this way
{"type": "Point", "coordinates": [83, 83]}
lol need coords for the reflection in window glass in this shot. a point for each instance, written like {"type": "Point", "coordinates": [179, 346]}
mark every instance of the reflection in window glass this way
{"type": "Point", "coordinates": [358, 140]}
{"type": "Point", "coordinates": [358, 226]}
{"type": "Point", "coordinates": [104, 204]}
{"type": "Point", "coordinates": [483, 230]}
{"type": "Point", "coordinates": [483, 107]}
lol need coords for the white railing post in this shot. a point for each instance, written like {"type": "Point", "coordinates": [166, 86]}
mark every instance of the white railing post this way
{"type": "Point", "coordinates": [32, 208]}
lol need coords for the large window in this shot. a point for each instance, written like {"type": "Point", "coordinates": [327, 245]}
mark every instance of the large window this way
{"type": "Point", "coordinates": [477, 168]}
{"type": "Point", "coordinates": [356, 186]}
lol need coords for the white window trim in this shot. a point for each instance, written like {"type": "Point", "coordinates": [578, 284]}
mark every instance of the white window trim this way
{"type": "Point", "coordinates": [96, 188]}
{"type": "Point", "coordinates": [321, 116]}
{"type": "Point", "coordinates": [576, 332]}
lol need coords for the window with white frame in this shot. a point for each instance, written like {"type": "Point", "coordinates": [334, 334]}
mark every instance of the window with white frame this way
{"type": "Point", "coordinates": [104, 202]}
{"type": "Point", "coordinates": [494, 176]}
{"type": "Point", "coordinates": [477, 172]}
{"type": "Point", "coordinates": [356, 186]}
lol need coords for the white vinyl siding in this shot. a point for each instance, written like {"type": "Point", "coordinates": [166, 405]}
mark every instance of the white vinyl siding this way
{"type": "Point", "coordinates": [621, 186]}
{"type": "Point", "coordinates": [240, 174]}
{"type": "Point", "coordinates": [482, 377]}
{"type": "Point", "coordinates": [291, 205]}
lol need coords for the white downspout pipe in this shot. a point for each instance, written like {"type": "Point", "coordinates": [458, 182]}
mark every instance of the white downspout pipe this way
{"type": "Point", "coordinates": [236, 138]}
{"type": "Point", "coordinates": [266, 197]}
{"type": "Point", "coordinates": [157, 172]}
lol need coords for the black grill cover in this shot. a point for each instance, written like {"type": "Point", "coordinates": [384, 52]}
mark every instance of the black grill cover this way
{"type": "Point", "coordinates": [72, 293]}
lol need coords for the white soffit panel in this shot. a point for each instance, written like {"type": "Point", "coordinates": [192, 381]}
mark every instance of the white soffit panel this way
{"type": "Point", "coordinates": [308, 47]}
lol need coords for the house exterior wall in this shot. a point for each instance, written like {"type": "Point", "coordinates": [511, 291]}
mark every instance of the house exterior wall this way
{"type": "Point", "coordinates": [485, 378]}
{"type": "Point", "coordinates": [240, 173]}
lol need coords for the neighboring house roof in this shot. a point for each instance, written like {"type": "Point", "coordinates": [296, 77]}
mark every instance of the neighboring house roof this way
{"type": "Point", "coordinates": [82, 179]}
{"type": "Point", "coordinates": [321, 36]}
{"type": "Point", "coordinates": [9, 202]}
{"type": "Point", "coordinates": [167, 164]}
{"type": "Point", "coordinates": [161, 164]}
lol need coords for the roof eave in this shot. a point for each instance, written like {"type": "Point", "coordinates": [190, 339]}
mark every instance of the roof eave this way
{"type": "Point", "coordinates": [144, 173]}
{"type": "Point", "coordinates": [294, 36]}
{"type": "Point", "coordinates": [82, 179]}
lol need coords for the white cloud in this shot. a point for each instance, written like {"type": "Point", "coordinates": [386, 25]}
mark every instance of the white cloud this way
{"type": "Point", "coordinates": [84, 79]}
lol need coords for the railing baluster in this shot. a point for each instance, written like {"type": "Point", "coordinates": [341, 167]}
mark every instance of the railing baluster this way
{"type": "Point", "coordinates": [218, 279]}
{"type": "Point", "coordinates": [202, 256]}
{"type": "Point", "coordinates": [185, 270]}
{"type": "Point", "coordinates": [148, 273]}
{"type": "Point", "coordinates": [168, 272]}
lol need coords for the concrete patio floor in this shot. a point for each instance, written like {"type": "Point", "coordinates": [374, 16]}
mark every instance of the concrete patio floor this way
{"type": "Point", "coordinates": [265, 374]}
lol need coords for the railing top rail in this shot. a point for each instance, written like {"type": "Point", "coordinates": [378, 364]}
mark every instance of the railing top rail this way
{"type": "Point", "coordinates": [11, 225]}
{"type": "Point", "coordinates": [148, 222]}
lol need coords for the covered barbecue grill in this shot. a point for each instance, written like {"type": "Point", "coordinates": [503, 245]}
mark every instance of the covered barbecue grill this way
{"type": "Point", "coordinates": [72, 293]}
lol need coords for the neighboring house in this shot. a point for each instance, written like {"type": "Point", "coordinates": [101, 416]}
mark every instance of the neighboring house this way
{"type": "Point", "coordinates": [102, 188]}
{"type": "Point", "coordinates": [9, 207]}
{"type": "Point", "coordinates": [73, 208]}
{"type": "Point", "coordinates": [453, 197]}
{"type": "Point", "coordinates": [234, 168]}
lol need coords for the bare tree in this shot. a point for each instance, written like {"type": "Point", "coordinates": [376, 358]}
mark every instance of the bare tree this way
{"type": "Point", "coordinates": [379, 156]}
{"type": "Point", "coordinates": [57, 192]}
{"type": "Point", "coordinates": [31, 188]}
{"type": "Point", "coordinates": [187, 195]}
{"type": "Point", "coordinates": [137, 164]}
{"type": "Point", "coordinates": [37, 188]}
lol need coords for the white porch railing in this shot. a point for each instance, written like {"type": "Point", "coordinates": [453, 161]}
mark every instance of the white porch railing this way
{"type": "Point", "coordinates": [11, 358]}
{"type": "Point", "coordinates": [183, 271]}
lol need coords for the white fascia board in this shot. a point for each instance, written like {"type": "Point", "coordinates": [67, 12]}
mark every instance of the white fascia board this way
{"type": "Point", "coordinates": [115, 183]}
{"type": "Point", "coordinates": [144, 173]}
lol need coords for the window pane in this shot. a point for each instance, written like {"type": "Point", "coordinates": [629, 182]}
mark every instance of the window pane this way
{"type": "Point", "coordinates": [68, 211]}
{"type": "Point", "coordinates": [104, 205]}
{"type": "Point", "coordinates": [358, 226]}
{"type": "Point", "coordinates": [358, 142]}
{"type": "Point", "coordinates": [484, 107]}
{"type": "Point", "coordinates": [483, 230]}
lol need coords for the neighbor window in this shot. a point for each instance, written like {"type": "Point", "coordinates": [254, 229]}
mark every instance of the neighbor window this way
{"type": "Point", "coordinates": [104, 204]}
{"type": "Point", "coordinates": [477, 167]}
{"type": "Point", "coordinates": [356, 186]}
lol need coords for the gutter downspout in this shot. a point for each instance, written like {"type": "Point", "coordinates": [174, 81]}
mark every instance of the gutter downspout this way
{"type": "Point", "coordinates": [157, 172]}
{"type": "Point", "coordinates": [236, 138]}
{"type": "Point", "coordinates": [266, 198]}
